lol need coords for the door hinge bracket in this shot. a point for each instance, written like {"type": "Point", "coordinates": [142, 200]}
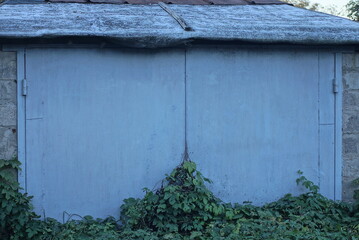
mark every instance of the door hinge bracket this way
{"type": "Point", "coordinates": [335, 86]}
{"type": "Point", "coordinates": [24, 87]}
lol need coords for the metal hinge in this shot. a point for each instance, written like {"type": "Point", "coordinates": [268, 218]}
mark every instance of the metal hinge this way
{"type": "Point", "coordinates": [24, 87]}
{"type": "Point", "coordinates": [335, 86]}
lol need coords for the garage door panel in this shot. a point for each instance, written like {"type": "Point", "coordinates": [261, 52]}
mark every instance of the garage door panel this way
{"type": "Point", "coordinates": [101, 125]}
{"type": "Point", "coordinates": [326, 78]}
{"type": "Point", "coordinates": [253, 120]}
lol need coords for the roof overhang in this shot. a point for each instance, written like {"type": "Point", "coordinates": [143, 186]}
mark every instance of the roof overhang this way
{"type": "Point", "coordinates": [150, 26]}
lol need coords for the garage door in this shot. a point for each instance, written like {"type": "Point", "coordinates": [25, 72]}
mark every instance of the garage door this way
{"type": "Point", "coordinates": [257, 116]}
{"type": "Point", "coordinates": [101, 124]}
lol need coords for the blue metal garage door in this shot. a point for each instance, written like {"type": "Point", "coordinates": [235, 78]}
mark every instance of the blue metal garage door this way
{"type": "Point", "coordinates": [101, 124]}
{"type": "Point", "coordinates": [257, 116]}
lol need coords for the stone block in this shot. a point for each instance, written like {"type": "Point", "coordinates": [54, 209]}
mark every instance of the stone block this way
{"type": "Point", "coordinates": [351, 80]}
{"type": "Point", "coordinates": [348, 189]}
{"type": "Point", "coordinates": [351, 168]}
{"type": "Point", "coordinates": [8, 65]}
{"type": "Point", "coordinates": [350, 173]}
{"type": "Point", "coordinates": [8, 142]}
{"type": "Point", "coordinates": [351, 100]}
{"type": "Point", "coordinates": [351, 121]}
{"type": "Point", "coordinates": [350, 61]}
{"type": "Point", "coordinates": [350, 146]}
{"type": "Point", "coordinates": [8, 90]}
{"type": "Point", "coordinates": [7, 113]}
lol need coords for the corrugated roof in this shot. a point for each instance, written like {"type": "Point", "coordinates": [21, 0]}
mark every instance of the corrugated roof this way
{"type": "Point", "coordinates": [151, 26]}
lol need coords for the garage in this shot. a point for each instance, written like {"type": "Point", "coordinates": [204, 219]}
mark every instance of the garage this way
{"type": "Point", "coordinates": [101, 124]}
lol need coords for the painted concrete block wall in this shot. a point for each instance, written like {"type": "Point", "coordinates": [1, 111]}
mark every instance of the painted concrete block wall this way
{"type": "Point", "coordinates": [350, 123]}
{"type": "Point", "coordinates": [8, 75]}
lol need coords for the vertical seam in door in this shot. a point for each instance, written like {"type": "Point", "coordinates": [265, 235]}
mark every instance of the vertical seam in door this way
{"type": "Point", "coordinates": [338, 126]}
{"type": "Point", "coordinates": [335, 131]}
{"type": "Point", "coordinates": [185, 155]}
{"type": "Point", "coordinates": [25, 146]}
{"type": "Point", "coordinates": [20, 121]}
{"type": "Point", "coordinates": [319, 157]}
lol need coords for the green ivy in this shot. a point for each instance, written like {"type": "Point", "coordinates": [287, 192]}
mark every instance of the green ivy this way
{"type": "Point", "coordinates": [17, 220]}
{"type": "Point", "coordinates": [182, 205]}
{"type": "Point", "coordinates": [86, 229]}
{"type": "Point", "coordinates": [183, 208]}
{"type": "Point", "coordinates": [356, 192]}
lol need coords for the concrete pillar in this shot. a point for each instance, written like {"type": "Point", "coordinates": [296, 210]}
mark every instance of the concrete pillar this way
{"type": "Point", "coordinates": [8, 75]}
{"type": "Point", "coordinates": [350, 123]}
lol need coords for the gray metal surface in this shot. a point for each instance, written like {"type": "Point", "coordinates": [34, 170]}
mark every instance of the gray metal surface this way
{"type": "Point", "coordinates": [254, 120]}
{"type": "Point", "coordinates": [150, 26]}
{"type": "Point", "coordinates": [100, 130]}
{"type": "Point", "coordinates": [100, 126]}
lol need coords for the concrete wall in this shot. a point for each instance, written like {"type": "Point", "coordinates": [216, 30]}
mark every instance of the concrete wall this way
{"type": "Point", "coordinates": [8, 142]}
{"type": "Point", "coordinates": [350, 123]}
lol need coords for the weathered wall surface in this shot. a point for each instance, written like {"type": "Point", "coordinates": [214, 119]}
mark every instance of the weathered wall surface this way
{"type": "Point", "coordinates": [350, 123]}
{"type": "Point", "coordinates": [8, 142]}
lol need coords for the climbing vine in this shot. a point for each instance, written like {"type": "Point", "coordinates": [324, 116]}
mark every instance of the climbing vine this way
{"type": "Point", "coordinates": [184, 208]}
{"type": "Point", "coordinates": [16, 215]}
